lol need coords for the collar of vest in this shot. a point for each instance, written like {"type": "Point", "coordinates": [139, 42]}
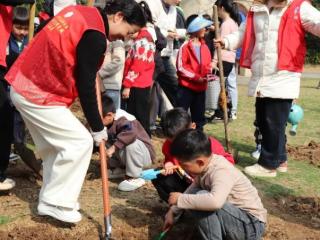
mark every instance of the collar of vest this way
{"type": "Point", "coordinates": [105, 21]}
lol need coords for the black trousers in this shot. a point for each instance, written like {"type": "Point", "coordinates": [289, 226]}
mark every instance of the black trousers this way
{"type": "Point", "coordinates": [171, 183]}
{"type": "Point", "coordinates": [271, 116]}
{"type": "Point", "coordinates": [138, 105]}
{"type": "Point", "coordinates": [6, 134]}
{"type": "Point", "coordinates": [188, 98]}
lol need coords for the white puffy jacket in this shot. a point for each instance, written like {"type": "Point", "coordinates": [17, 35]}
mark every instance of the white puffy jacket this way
{"type": "Point", "coordinates": [266, 80]}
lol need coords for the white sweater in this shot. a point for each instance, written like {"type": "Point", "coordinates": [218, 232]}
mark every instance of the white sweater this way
{"type": "Point", "coordinates": [266, 78]}
{"type": "Point", "coordinates": [166, 22]}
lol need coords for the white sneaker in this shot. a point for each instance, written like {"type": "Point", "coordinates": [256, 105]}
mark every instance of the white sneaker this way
{"type": "Point", "coordinates": [61, 213]}
{"type": "Point", "coordinates": [116, 173]}
{"type": "Point", "coordinates": [257, 152]}
{"type": "Point", "coordinates": [13, 158]}
{"type": "Point", "coordinates": [7, 184]}
{"type": "Point", "coordinates": [233, 115]}
{"type": "Point", "coordinates": [257, 170]}
{"type": "Point", "coordinates": [131, 184]}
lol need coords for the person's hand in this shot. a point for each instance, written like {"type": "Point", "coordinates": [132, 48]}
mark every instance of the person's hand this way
{"type": "Point", "coordinates": [202, 79]}
{"type": "Point", "coordinates": [211, 28]}
{"type": "Point", "coordinates": [211, 77]}
{"type": "Point", "coordinates": [218, 43]}
{"type": "Point", "coordinates": [126, 93]}
{"type": "Point", "coordinates": [173, 198]}
{"type": "Point", "coordinates": [168, 220]}
{"type": "Point", "coordinates": [172, 35]}
{"type": "Point", "coordinates": [99, 136]}
{"type": "Point", "coordinates": [111, 150]}
{"type": "Point", "coordinates": [214, 66]}
{"type": "Point", "coordinates": [169, 168]}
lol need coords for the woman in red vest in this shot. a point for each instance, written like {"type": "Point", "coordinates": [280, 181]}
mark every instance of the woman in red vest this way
{"type": "Point", "coordinates": [59, 65]}
{"type": "Point", "coordinates": [273, 47]}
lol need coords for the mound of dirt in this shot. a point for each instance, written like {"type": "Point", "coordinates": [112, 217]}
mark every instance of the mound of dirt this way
{"type": "Point", "coordinates": [310, 153]}
{"type": "Point", "coordinates": [308, 207]}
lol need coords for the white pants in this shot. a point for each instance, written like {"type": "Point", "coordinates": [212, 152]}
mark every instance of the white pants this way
{"type": "Point", "coordinates": [64, 145]}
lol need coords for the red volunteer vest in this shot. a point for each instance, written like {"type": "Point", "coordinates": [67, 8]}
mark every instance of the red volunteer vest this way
{"type": "Point", "coordinates": [6, 15]}
{"type": "Point", "coordinates": [291, 40]}
{"type": "Point", "coordinates": [44, 73]}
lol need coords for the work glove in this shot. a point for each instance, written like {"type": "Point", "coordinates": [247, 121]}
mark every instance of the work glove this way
{"type": "Point", "coordinates": [99, 136]}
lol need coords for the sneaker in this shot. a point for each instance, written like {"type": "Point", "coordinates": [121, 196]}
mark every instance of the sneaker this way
{"type": "Point", "coordinates": [63, 214]}
{"type": "Point", "coordinates": [14, 158]}
{"type": "Point", "coordinates": [233, 115]}
{"type": "Point", "coordinates": [7, 184]}
{"type": "Point", "coordinates": [209, 113]}
{"type": "Point", "coordinates": [283, 168]}
{"type": "Point", "coordinates": [257, 170]}
{"type": "Point", "coordinates": [116, 173]}
{"type": "Point", "coordinates": [215, 118]}
{"type": "Point", "coordinates": [257, 152]}
{"type": "Point", "coordinates": [131, 184]}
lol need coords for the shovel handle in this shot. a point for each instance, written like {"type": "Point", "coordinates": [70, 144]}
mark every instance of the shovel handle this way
{"type": "Point", "coordinates": [31, 21]}
{"type": "Point", "coordinates": [222, 80]}
{"type": "Point", "coordinates": [104, 173]}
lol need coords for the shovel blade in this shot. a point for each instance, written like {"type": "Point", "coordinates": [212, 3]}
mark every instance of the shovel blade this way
{"type": "Point", "coordinates": [150, 174]}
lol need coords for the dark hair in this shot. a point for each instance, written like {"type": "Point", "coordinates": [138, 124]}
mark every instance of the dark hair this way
{"type": "Point", "coordinates": [131, 10]}
{"type": "Point", "coordinates": [207, 16]}
{"type": "Point", "coordinates": [175, 121]}
{"type": "Point", "coordinates": [147, 11]}
{"type": "Point", "coordinates": [190, 19]}
{"type": "Point", "coordinates": [230, 7]}
{"type": "Point", "coordinates": [107, 105]}
{"type": "Point", "coordinates": [21, 15]}
{"type": "Point", "coordinates": [190, 144]}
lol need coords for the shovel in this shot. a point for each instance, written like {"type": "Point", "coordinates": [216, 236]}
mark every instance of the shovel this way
{"type": "Point", "coordinates": [151, 174]}
{"type": "Point", "coordinates": [162, 235]}
{"type": "Point", "coordinates": [104, 173]}
{"type": "Point", "coordinates": [222, 82]}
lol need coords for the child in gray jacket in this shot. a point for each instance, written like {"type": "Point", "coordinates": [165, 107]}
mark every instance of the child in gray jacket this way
{"type": "Point", "coordinates": [111, 72]}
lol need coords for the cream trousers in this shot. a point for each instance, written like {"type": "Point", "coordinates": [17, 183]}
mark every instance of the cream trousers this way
{"type": "Point", "coordinates": [64, 145]}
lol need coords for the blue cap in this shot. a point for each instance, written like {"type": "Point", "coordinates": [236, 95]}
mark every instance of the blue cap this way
{"type": "Point", "coordinates": [197, 24]}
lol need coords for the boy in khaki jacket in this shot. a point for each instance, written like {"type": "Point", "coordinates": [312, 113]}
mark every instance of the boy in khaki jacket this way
{"type": "Point", "coordinates": [224, 203]}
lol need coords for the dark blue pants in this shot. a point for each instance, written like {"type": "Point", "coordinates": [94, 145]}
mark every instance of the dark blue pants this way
{"type": "Point", "coordinates": [168, 80]}
{"type": "Point", "coordinates": [271, 116]}
{"type": "Point", "coordinates": [188, 98]}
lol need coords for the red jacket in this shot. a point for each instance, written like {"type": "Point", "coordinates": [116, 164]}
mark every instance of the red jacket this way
{"type": "Point", "coordinates": [216, 148]}
{"type": "Point", "coordinates": [139, 65]}
{"type": "Point", "coordinates": [44, 72]}
{"type": "Point", "coordinates": [189, 69]}
{"type": "Point", "coordinates": [6, 15]}
{"type": "Point", "coordinates": [291, 40]}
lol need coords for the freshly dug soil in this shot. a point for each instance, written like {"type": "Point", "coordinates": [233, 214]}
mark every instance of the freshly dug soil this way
{"type": "Point", "coordinates": [309, 153]}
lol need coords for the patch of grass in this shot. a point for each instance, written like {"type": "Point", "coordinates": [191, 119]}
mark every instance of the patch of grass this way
{"type": "Point", "coordinates": [302, 178]}
{"type": "Point", "coordinates": [4, 219]}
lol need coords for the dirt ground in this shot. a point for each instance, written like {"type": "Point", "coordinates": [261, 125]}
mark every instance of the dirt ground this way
{"type": "Point", "coordinates": [139, 215]}
{"type": "Point", "coordinates": [136, 215]}
{"type": "Point", "coordinates": [309, 153]}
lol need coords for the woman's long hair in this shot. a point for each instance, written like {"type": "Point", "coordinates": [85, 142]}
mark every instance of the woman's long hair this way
{"type": "Point", "coordinates": [147, 11]}
{"type": "Point", "coordinates": [230, 7]}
